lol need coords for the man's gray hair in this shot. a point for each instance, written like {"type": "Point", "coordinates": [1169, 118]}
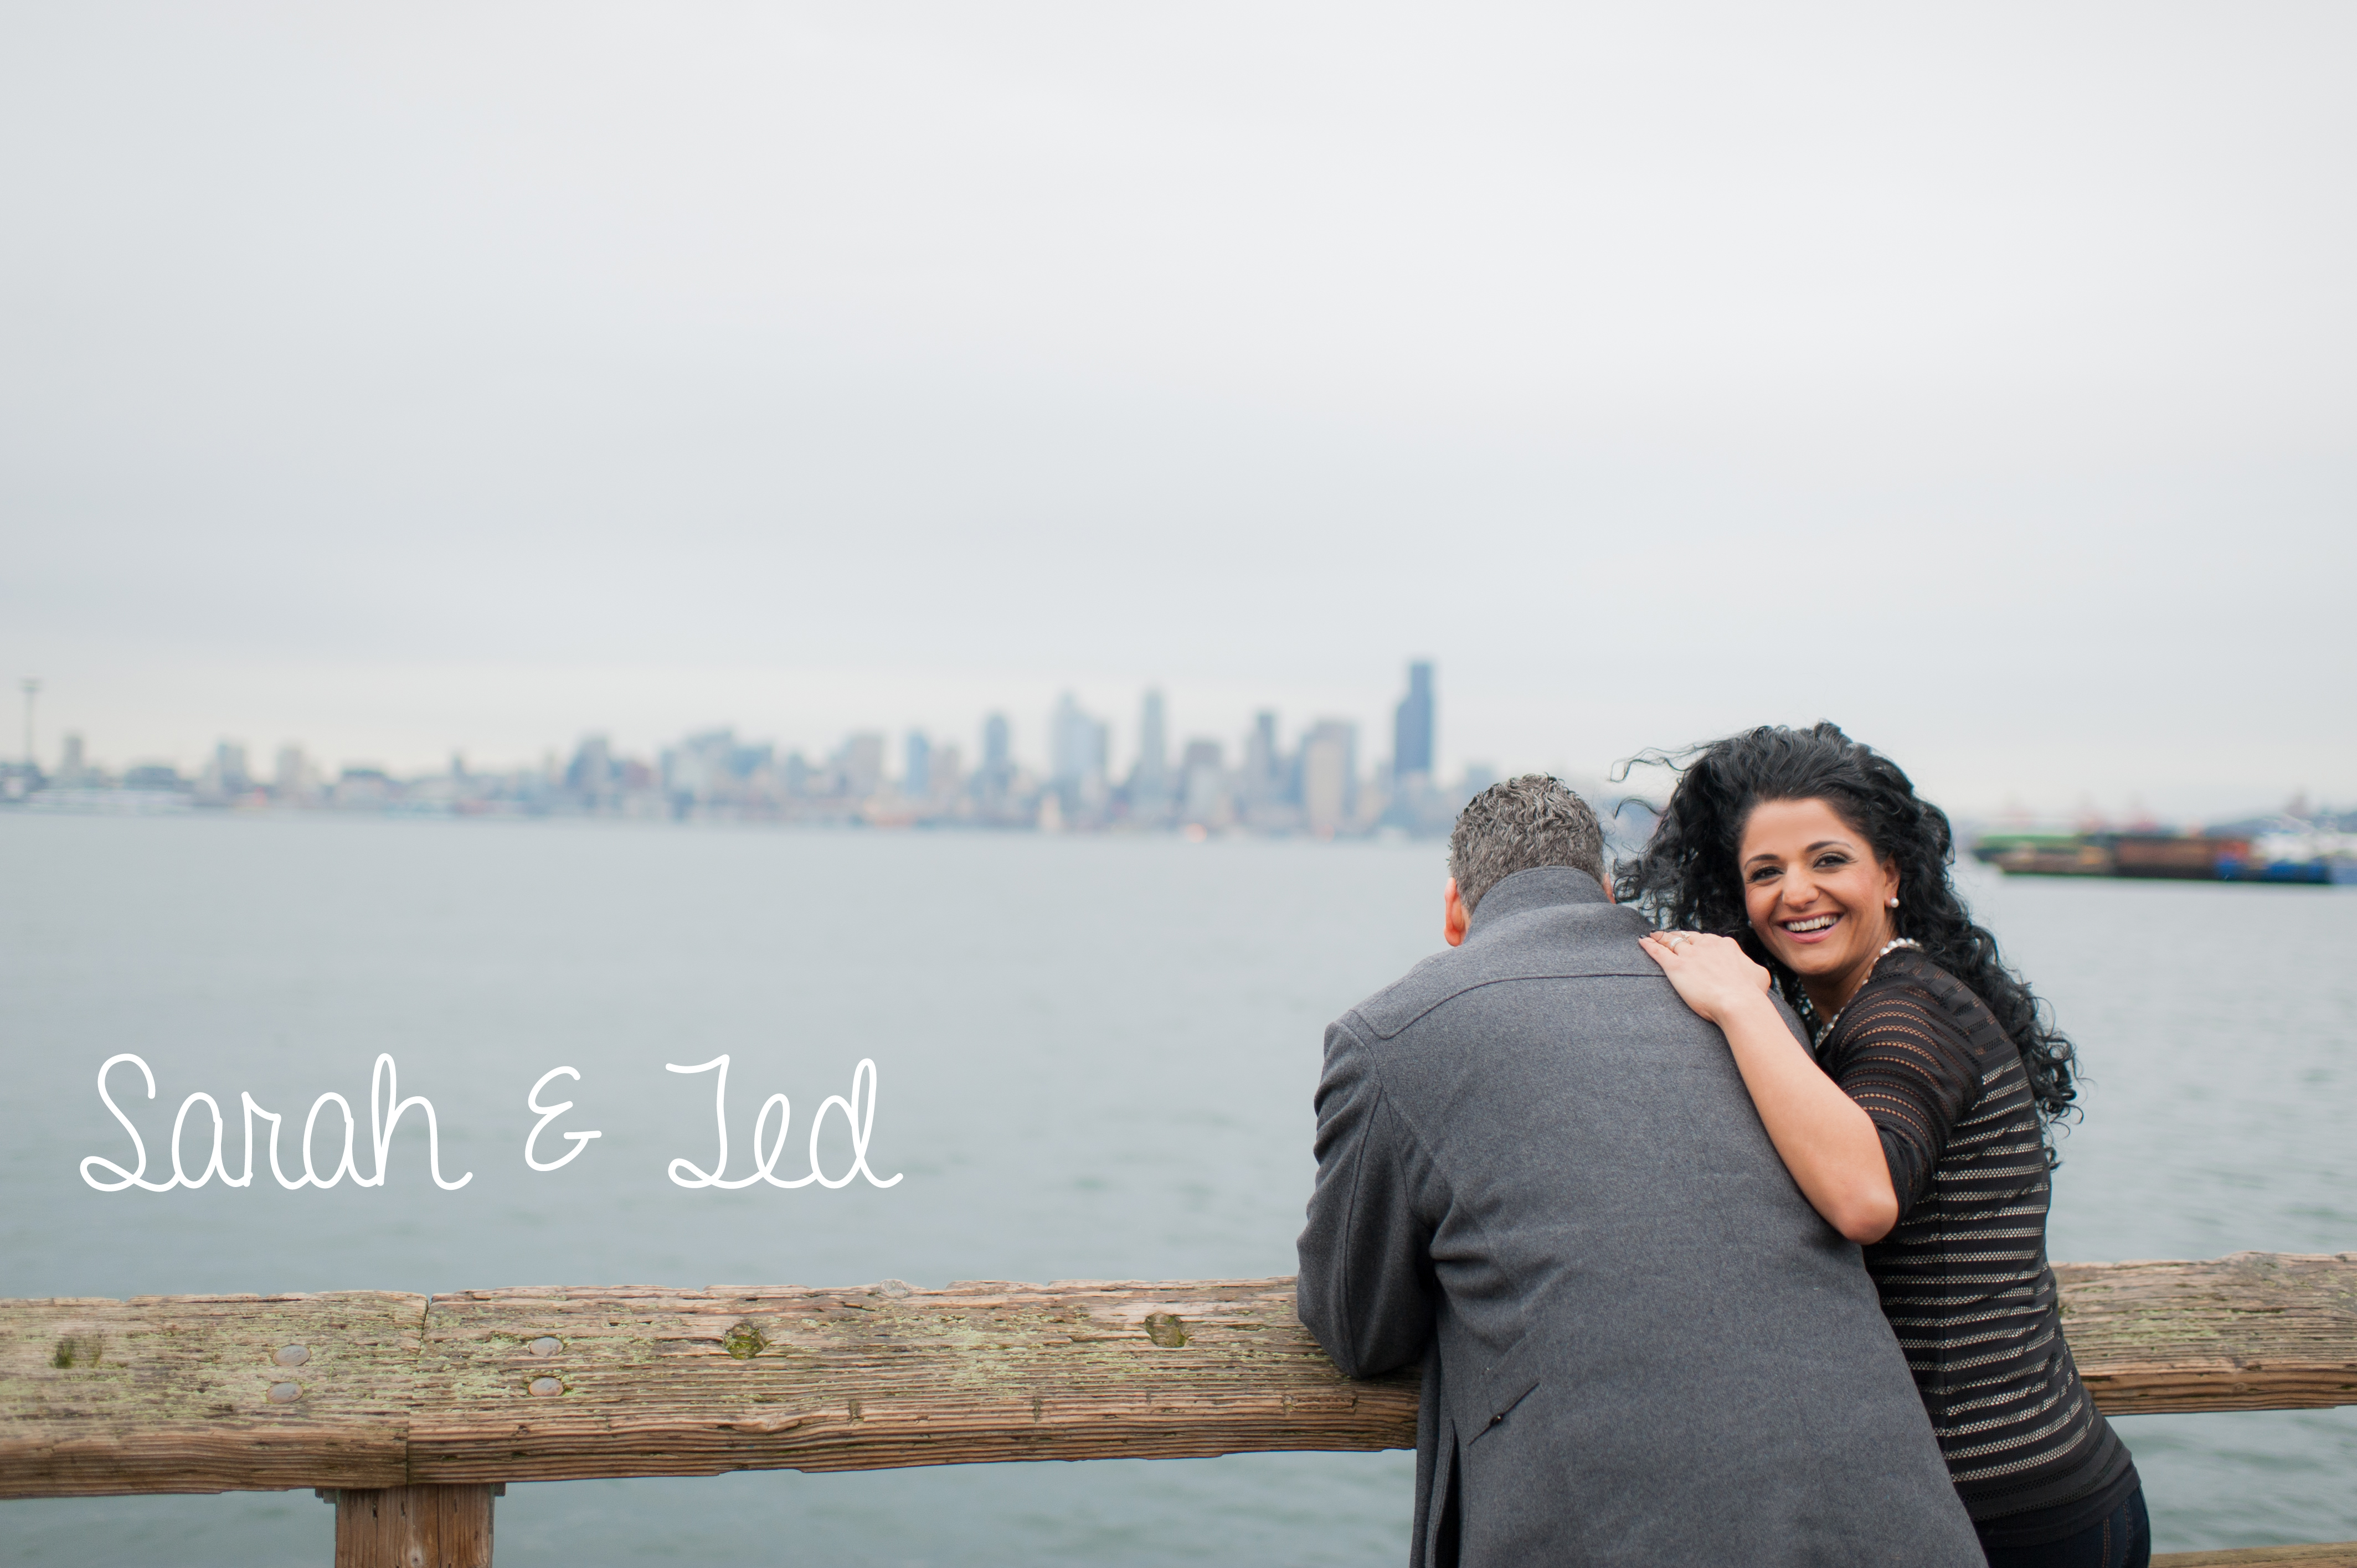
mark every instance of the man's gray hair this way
{"type": "Point", "coordinates": [1521, 823]}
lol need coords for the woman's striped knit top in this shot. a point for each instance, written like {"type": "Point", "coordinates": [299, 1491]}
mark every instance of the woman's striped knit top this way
{"type": "Point", "coordinates": [1963, 1276]}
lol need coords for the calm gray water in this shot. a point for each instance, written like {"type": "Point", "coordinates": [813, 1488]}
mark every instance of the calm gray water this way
{"type": "Point", "coordinates": [1095, 1060]}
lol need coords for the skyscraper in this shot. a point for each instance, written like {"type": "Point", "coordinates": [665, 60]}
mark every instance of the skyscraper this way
{"type": "Point", "coordinates": [1149, 781]}
{"type": "Point", "coordinates": [225, 777]}
{"type": "Point", "coordinates": [994, 783]}
{"type": "Point", "coordinates": [591, 773]}
{"type": "Point", "coordinates": [1076, 753]}
{"type": "Point", "coordinates": [859, 763]}
{"type": "Point", "coordinates": [918, 783]}
{"type": "Point", "coordinates": [1203, 780]}
{"type": "Point", "coordinates": [1412, 728]}
{"type": "Point", "coordinates": [1264, 763]}
{"type": "Point", "coordinates": [294, 778]}
{"type": "Point", "coordinates": [944, 771]}
{"type": "Point", "coordinates": [1329, 776]}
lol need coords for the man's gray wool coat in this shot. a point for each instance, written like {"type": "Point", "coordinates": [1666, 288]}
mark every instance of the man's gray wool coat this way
{"type": "Point", "coordinates": [1540, 1176]}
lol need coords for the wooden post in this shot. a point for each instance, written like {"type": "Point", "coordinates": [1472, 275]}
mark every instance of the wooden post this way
{"type": "Point", "coordinates": [414, 1526]}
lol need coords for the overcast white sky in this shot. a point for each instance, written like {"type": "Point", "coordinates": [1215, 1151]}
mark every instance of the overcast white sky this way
{"type": "Point", "coordinates": [405, 378]}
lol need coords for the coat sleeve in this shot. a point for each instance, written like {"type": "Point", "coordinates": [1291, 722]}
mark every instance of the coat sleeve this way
{"type": "Point", "coordinates": [1367, 1285]}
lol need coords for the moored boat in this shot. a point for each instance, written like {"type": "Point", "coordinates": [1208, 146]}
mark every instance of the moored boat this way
{"type": "Point", "coordinates": [2175, 858]}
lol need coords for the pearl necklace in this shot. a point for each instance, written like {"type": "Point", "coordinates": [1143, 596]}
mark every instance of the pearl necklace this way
{"type": "Point", "coordinates": [1880, 953]}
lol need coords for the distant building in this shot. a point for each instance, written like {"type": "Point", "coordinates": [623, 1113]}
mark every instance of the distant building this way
{"type": "Point", "coordinates": [794, 775]}
{"type": "Point", "coordinates": [1376, 794]}
{"type": "Point", "coordinates": [1149, 780]}
{"type": "Point", "coordinates": [1412, 726]}
{"type": "Point", "coordinates": [293, 779]}
{"type": "Point", "coordinates": [1416, 803]}
{"type": "Point", "coordinates": [155, 776]}
{"type": "Point", "coordinates": [1077, 748]}
{"type": "Point", "coordinates": [944, 774]}
{"type": "Point", "coordinates": [714, 768]}
{"type": "Point", "coordinates": [73, 771]}
{"type": "Point", "coordinates": [364, 787]}
{"type": "Point", "coordinates": [225, 777]}
{"type": "Point", "coordinates": [1329, 776]}
{"type": "Point", "coordinates": [1203, 784]}
{"type": "Point", "coordinates": [590, 775]}
{"type": "Point", "coordinates": [693, 768]}
{"type": "Point", "coordinates": [859, 764]}
{"type": "Point", "coordinates": [1260, 780]}
{"type": "Point", "coordinates": [916, 776]}
{"type": "Point", "coordinates": [994, 781]}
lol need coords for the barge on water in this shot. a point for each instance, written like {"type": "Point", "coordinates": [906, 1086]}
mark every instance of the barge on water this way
{"type": "Point", "coordinates": [2174, 857]}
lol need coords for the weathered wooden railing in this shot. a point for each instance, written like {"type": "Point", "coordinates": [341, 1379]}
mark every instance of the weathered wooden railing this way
{"type": "Point", "coordinates": [410, 1409]}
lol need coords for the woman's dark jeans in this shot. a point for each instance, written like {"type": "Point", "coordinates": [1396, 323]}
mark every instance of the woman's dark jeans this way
{"type": "Point", "coordinates": [2121, 1540]}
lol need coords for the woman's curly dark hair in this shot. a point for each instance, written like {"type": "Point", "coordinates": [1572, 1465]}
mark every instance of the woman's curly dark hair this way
{"type": "Point", "coordinates": [1687, 877]}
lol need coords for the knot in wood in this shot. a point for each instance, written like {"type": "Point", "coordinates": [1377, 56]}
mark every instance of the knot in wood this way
{"type": "Point", "coordinates": [1167, 1329]}
{"type": "Point", "coordinates": [744, 1341]}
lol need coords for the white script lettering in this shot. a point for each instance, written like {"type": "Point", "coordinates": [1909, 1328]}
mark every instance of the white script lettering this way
{"type": "Point", "coordinates": [765, 1163]}
{"type": "Point", "coordinates": [549, 1113]}
{"type": "Point", "coordinates": [383, 1086]}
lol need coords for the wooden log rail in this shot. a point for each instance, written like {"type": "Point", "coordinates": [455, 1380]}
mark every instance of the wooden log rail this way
{"type": "Point", "coordinates": [361, 1391]}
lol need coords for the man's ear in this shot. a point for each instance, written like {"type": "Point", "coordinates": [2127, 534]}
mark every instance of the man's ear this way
{"type": "Point", "coordinates": [1454, 916]}
{"type": "Point", "coordinates": [1611, 894]}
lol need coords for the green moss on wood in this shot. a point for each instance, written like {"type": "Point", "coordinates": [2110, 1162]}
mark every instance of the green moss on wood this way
{"type": "Point", "coordinates": [76, 1351]}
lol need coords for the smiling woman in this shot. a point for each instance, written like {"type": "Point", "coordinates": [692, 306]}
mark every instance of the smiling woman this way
{"type": "Point", "coordinates": [1802, 860]}
{"type": "Point", "coordinates": [1818, 895]}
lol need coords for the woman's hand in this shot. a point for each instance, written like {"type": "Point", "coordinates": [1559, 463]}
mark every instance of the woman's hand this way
{"type": "Point", "coordinates": [1712, 974]}
{"type": "Point", "coordinates": [1826, 1140]}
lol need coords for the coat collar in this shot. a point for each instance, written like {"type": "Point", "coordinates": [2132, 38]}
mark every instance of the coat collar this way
{"type": "Point", "coordinates": [1536, 888]}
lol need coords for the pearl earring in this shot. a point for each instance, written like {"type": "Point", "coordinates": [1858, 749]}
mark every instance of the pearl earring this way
{"type": "Point", "coordinates": [1894, 900]}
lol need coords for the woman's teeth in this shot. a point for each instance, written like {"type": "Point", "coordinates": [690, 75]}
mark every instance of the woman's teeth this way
{"type": "Point", "coordinates": [1814, 923]}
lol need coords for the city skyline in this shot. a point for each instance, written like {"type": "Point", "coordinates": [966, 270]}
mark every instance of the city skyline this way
{"type": "Point", "coordinates": [1272, 773]}
{"type": "Point", "coordinates": [1311, 783]}
{"type": "Point", "coordinates": [1035, 742]}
